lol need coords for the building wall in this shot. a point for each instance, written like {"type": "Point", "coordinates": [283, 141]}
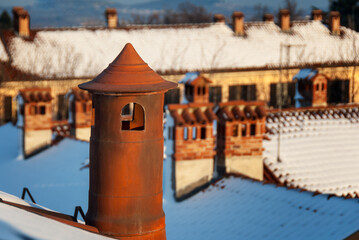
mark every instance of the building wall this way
{"type": "Point", "coordinates": [262, 79]}
{"type": "Point", "coordinates": [190, 174]}
{"type": "Point", "coordinates": [83, 134]}
{"type": "Point", "coordinates": [251, 166]}
{"type": "Point", "coordinates": [35, 140]}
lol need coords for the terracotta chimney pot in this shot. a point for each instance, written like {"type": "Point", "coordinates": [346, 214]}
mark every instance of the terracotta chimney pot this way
{"type": "Point", "coordinates": [111, 17]}
{"type": "Point", "coordinates": [284, 20]}
{"type": "Point", "coordinates": [334, 22]}
{"type": "Point", "coordinates": [268, 17]}
{"type": "Point", "coordinates": [126, 149]}
{"type": "Point", "coordinates": [21, 21]}
{"type": "Point", "coordinates": [219, 18]}
{"type": "Point", "coordinates": [317, 15]}
{"type": "Point", "coordinates": [238, 23]}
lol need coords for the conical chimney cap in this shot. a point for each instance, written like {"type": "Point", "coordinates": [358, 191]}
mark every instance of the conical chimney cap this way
{"type": "Point", "coordinates": [128, 73]}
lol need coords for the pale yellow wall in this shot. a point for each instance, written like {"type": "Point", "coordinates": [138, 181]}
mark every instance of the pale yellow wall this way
{"type": "Point", "coordinates": [190, 174]}
{"type": "Point", "coordinates": [35, 140]}
{"type": "Point", "coordinates": [83, 134]}
{"type": "Point", "coordinates": [251, 166]}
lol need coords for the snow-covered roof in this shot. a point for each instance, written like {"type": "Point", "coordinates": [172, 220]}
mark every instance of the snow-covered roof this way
{"type": "Point", "coordinates": [305, 74]}
{"type": "Point", "coordinates": [318, 149]}
{"type": "Point", "coordinates": [81, 53]}
{"type": "Point", "coordinates": [236, 208]}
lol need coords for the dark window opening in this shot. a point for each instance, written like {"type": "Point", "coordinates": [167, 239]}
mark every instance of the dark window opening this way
{"type": "Point", "coordinates": [203, 133]}
{"type": "Point", "coordinates": [199, 92]}
{"type": "Point", "coordinates": [244, 130]}
{"type": "Point", "coordinates": [63, 107]}
{"type": "Point", "coordinates": [235, 130]}
{"type": "Point", "coordinates": [42, 110]}
{"type": "Point", "coordinates": [253, 130]}
{"type": "Point", "coordinates": [338, 91]}
{"type": "Point", "coordinates": [133, 117]}
{"type": "Point", "coordinates": [8, 108]}
{"type": "Point", "coordinates": [317, 87]}
{"type": "Point", "coordinates": [215, 94]}
{"type": "Point", "coordinates": [172, 96]}
{"type": "Point", "coordinates": [288, 92]}
{"type": "Point", "coordinates": [84, 107]}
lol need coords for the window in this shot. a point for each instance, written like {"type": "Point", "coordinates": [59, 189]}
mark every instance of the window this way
{"type": "Point", "coordinates": [42, 110]}
{"type": "Point", "coordinates": [84, 107]}
{"type": "Point", "coordinates": [8, 108]}
{"type": "Point", "coordinates": [63, 107]}
{"type": "Point", "coordinates": [288, 93]}
{"type": "Point", "coordinates": [172, 96]}
{"type": "Point", "coordinates": [317, 87]}
{"type": "Point", "coordinates": [234, 92]}
{"type": "Point", "coordinates": [244, 130]}
{"type": "Point", "coordinates": [199, 91]}
{"type": "Point", "coordinates": [194, 133]}
{"type": "Point", "coordinates": [253, 129]}
{"type": "Point", "coordinates": [215, 94]}
{"type": "Point", "coordinates": [235, 130]}
{"type": "Point", "coordinates": [203, 133]}
{"type": "Point", "coordinates": [133, 117]}
{"type": "Point", "coordinates": [338, 91]}
{"type": "Point", "coordinates": [185, 133]}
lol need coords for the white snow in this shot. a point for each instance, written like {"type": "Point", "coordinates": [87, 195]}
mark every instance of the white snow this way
{"type": "Point", "coordinates": [232, 209]}
{"type": "Point", "coordinates": [317, 153]}
{"type": "Point", "coordinates": [53, 176]}
{"type": "Point", "coordinates": [85, 53]}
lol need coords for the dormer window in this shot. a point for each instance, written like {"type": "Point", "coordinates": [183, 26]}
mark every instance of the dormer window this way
{"type": "Point", "coordinates": [133, 117]}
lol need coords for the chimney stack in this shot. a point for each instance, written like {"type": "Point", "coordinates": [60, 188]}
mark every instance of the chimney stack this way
{"type": "Point", "coordinates": [126, 149]}
{"type": "Point", "coordinates": [268, 17]}
{"type": "Point", "coordinates": [21, 21]}
{"type": "Point", "coordinates": [238, 23]}
{"type": "Point", "coordinates": [219, 18]}
{"type": "Point", "coordinates": [284, 20]}
{"type": "Point", "coordinates": [334, 22]}
{"type": "Point", "coordinates": [111, 17]}
{"type": "Point", "coordinates": [317, 15]}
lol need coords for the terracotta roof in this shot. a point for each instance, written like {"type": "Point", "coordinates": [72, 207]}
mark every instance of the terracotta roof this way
{"type": "Point", "coordinates": [36, 94]}
{"type": "Point", "coordinates": [241, 110]}
{"type": "Point", "coordinates": [189, 114]}
{"type": "Point", "coordinates": [128, 73]}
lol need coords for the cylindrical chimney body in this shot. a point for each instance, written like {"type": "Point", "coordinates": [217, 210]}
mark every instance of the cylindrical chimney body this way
{"type": "Point", "coordinates": [21, 21]}
{"type": "Point", "coordinates": [126, 149]}
{"type": "Point", "coordinates": [317, 15]}
{"type": "Point", "coordinates": [334, 22]}
{"type": "Point", "coordinates": [219, 18]}
{"type": "Point", "coordinates": [238, 23]}
{"type": "Point", "coordinates": [284, 19]}
{"type": "Point", "coordinates": [111, 17]}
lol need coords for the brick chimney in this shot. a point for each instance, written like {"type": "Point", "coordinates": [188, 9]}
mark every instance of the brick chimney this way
{"type": "Point", "coordinates": [238, 23]}
{"type": "Point", "coordinates": [21, 21]}
{"type": "Point", "coordinates": [126, 149]}
{"type": "Point", "coordinates": [317, 15]}
{"type": "Point", "coordinates": [268, 17]}
{"type": "Point", "coordinates": [284, 19]}
{"type": "Point", "coordinates": [111, 17]}
{"type": "Point", "coordinates": [219, 18]}
{"type": "Point", "coordinates": [334, 22]}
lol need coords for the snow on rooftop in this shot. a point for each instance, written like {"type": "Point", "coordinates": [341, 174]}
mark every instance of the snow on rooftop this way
{"type": "Point", "coordinates": [234, 208]}
{"type": "Point", "coordinates": [242, 209]}
{"type": "Point", "coordinates": [53, 176]}
{"type": "Point", "coordinates": [317, 153]}
{"type": "Point", "coordinates": [305, 73]}
{"type": "Point", "coordinates": [85, 53]}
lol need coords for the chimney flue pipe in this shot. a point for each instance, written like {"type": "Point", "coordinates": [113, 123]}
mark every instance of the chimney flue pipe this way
{"type": "Point", "coordinates": [126, 149]}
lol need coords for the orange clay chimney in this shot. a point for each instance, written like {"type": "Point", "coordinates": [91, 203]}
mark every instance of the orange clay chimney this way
{"type": "Point", "coordinates": [317, 15]}
{"type": "Point", "coordinates": [111, 17]}
{"type": "Point", "coordinates": [126, 149]}
{"type": "Point", "coordinates": [218, 18]}
{"type": "Point", "coordinates": [284, 20]}
{"type": "Point", "coordinates": [334, 22]}
{"type": "Point", "coordinates": [21, 21]}
{"type": "Point", "coordinates": [238, 23]}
